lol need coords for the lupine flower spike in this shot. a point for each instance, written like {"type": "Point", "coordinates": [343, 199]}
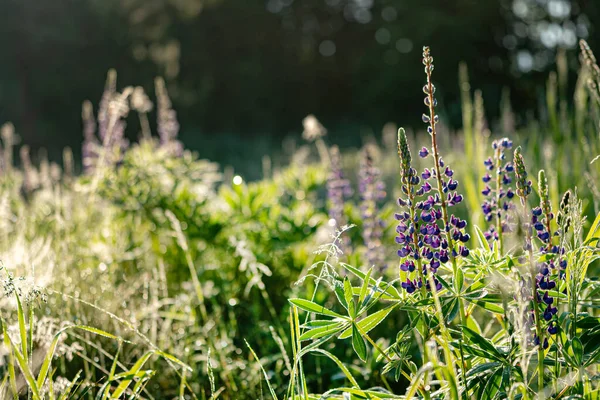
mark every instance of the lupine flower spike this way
{"type": "Point", "coordinates": [523, 190]}
{"type": "Point", "coordinates": [446, 184]}
{"type": "Point", "coordinates": [428, 236]}
{"type": "Point", "coordinates": [372, 192]}
{"type": "Point", "coordinates": [498, 192]}
{"type": "Point", "coordinates": [338, 190]}
{"type": "Point", "coordinates": [548, 271]}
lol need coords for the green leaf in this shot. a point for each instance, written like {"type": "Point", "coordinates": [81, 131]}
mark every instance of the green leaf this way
{"type": "Point", "coordinates": [11, 363]}
{"type": "Point", "coordinates": [322, 331]}
{"type": "Point", "coordinates": [451, 309]}
{"type": "Point", "coordinates": [131, 374]}
{"type": "Point", "coordinates": [483, 343]}
{"type": "Point", "coordinates": [483, 243]}
{"type": "Point", "coordinates": [50, 353]}
{"type": "Point", "coordinates": [22, 330]}
{"type": "Point", "coordinates": [368, 323]}
{"type": "Point", "coordinates": [311, 306]}
{"type": "Point", "coordinates": [594, 232]}
{"type": "Point", "coordinates": [390, 292]}
{"type": "Point", "coordinates": [490, 306]}
{"type": "Point", "coordinates": [339, 293]}
{"type": "Point", "coordinates": [348, 291]}
{"type": "Point", "coordinates": [577, 348]}
{"type": "Point", "coordinates": [493, 384]}
{"type": "Point", "coordinates": [593, 357]}
{"type": "Point", "coordinates": [24, 367]}
{"type": "Point", "coordinates": [365, 287]}
{"type": "Point", "coordinates": [481, 368]}
{"type": "Point", "coordinates": [460, 279]}
{"type": "Point", "coordinates": [317, 323]}
{"type": "Point", "coordinates": [358, 344]}
{"type": "Point", "coordinates": [273, 395]}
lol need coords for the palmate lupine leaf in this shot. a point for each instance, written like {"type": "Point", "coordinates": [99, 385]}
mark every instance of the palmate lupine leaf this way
{"type": "Point", "coordinates": [368, 323]}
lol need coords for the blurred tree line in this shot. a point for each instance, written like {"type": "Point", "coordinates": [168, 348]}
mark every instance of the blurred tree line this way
{"type": "Point", "coordinates": [238, 68]}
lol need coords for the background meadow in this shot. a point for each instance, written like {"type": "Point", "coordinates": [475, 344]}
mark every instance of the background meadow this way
{"type": "Point", "coordinates": [200, 236]}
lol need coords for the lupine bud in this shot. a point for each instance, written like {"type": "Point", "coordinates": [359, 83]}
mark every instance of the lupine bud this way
{"type": "Point", "coordinates": [543, 193]}
{"type": "Point", "coordinates": [404, 153]}
{"type": "Point", "coordinates": [523, 184]}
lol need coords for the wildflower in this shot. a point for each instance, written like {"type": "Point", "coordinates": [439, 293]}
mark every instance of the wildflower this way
{"type": "Point", "coordinates": [429, 236]}
{"type": "Point", "coordinates": [497, 203]}
{"type": "Point", "coordinates": [548, 271]}
{"type": "Point", "coordinates": [338, 189]}
{"type": "Point", "coordinates": [372, 191]}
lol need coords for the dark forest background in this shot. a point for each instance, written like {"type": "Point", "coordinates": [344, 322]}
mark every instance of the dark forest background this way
{"type": "Point", "coordinates": [242, 74]}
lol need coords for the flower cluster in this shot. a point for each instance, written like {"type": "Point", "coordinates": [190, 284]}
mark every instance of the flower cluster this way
{"type": "Point", "coordinates": [372, 191]}
{"type": "Point", "coordinates": [428, 236]}
{"type": "Point", "coordinates": [112, 143]}
{"type": "Point", "coordinates": [497, 191]}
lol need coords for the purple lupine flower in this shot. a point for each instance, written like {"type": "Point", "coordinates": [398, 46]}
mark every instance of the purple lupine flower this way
{"type": "Point", "coordinates": [497, 202]}
{"type": "Point", "coordinates": [372, 191]}
{"type": "Point", "coordinates": [167, 124]}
